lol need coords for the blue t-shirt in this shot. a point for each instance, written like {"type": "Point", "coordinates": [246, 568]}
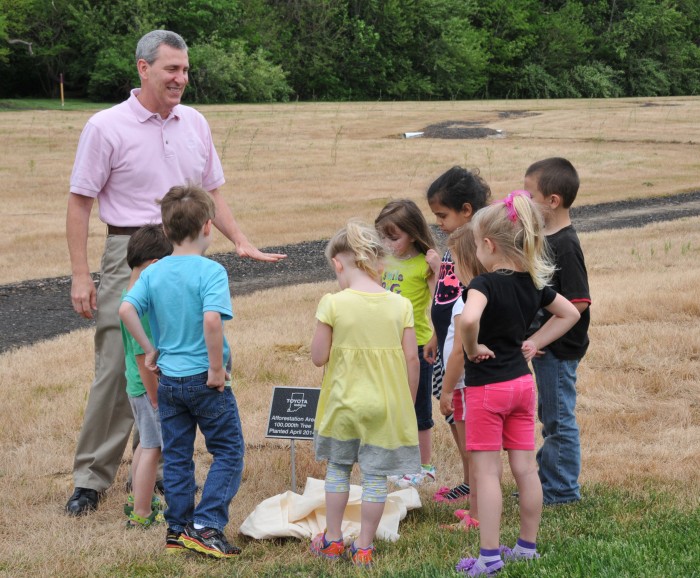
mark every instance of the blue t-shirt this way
{"type": "Point", "coordinates": [176, 292]}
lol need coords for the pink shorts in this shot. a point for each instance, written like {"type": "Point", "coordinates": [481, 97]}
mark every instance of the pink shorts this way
{"type": "Point", "coordinates": [501, 415]}
{"type": "Point", "coordinates": [459, 403]}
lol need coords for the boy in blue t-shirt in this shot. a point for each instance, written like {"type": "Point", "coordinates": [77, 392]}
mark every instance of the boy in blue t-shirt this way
{"type": "Point", "coordinates": [553, 184]}
{"type": "Point", "coordinates": [146, 246]}
{"type": "Point", "coordinates": [187, 299]}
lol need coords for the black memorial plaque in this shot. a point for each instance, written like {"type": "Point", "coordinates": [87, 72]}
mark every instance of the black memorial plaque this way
{"type": "Point", "coordinates": [293, 412]}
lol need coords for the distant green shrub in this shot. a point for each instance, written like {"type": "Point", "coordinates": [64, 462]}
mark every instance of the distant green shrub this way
{"type": "Point", "coordinates": [229, 73]}
{"type": "Point", "coordinates": [114, 75]}
{"type": "Point", "coordinates": [595, 80]}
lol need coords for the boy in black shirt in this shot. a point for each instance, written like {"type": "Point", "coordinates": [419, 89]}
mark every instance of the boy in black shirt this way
{"type": "Point", "coordinates": [553, 184]}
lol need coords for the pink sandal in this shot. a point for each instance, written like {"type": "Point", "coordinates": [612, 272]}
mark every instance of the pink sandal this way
{"type": "Point", "coordinates": [451, 495]}
{"type": "Point", "coordinates": [466, 522]}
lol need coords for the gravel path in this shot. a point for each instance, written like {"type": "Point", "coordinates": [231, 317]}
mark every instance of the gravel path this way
{"type": "Point", "coordinates": [19, 302]}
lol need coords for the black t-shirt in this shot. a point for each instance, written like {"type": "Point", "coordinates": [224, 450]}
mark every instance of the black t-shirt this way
{"type": "Point", "coordinates": [447, 290]}
{"type": "Point", "coordinates": [512, 303]}
{"type": "Point", "coordinates": [571, 280]}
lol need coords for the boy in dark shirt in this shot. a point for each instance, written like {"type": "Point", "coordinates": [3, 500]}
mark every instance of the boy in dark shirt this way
{"type": "Point", "coordinates": [553, 184]}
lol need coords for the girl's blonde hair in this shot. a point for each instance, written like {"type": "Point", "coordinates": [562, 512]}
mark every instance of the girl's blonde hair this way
{"type": "Point", "coordinates": [405, 215]}
{"type": "Point", "coordinates": [462, 245]}
{"type": "Point", "coordinates": [362, 242]}
{"type": "Point", "coordinates": [515, 225]}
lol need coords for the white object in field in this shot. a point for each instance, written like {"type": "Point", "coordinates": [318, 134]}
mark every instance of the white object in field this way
{"type": "Point", "coordinates": [412, 134]}
{"type": "Point", "coordinates": [304, 515]}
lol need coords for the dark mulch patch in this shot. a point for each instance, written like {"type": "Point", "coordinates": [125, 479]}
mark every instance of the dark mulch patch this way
{"type": "Point", "coordinates": [40, 309]}
{"type": "Point", "coordinates": [459, 129]}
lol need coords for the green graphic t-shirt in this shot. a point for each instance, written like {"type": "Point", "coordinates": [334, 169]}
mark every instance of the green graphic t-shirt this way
{"type": "Point", "coordinates": [409, 278]}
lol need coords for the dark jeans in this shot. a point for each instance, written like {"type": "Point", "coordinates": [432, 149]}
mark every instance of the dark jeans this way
{"type": "Point", "coordinates": [424, 399]}
{"type": "Point", "coordinates": [185, 403]}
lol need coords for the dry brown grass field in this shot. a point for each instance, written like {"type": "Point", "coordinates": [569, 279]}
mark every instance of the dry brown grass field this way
{"type": "Point", "coordinates": [296, 172]}
{"type": "Point", "coordinates": [638, 409]}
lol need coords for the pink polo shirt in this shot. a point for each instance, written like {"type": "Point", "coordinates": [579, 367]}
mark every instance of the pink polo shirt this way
{"type": "Point", "coordinates": [128, 157]}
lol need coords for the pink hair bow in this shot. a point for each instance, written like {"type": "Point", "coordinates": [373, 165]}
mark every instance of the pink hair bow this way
{"type": "Point", "coordinates": [508, 202]}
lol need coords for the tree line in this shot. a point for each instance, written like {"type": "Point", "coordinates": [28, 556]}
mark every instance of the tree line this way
{"type": "Point", "coordinates": [277, 50]}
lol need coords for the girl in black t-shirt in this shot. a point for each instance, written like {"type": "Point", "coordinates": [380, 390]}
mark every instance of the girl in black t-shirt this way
{"type": "Point", "coordinates": [500, 306]}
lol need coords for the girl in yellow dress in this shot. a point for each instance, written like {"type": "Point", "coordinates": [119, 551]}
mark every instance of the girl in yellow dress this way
{"type": "Point", "coordinates": [365, 413]}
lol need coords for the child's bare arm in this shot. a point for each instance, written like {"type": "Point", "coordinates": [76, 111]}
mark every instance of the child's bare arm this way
{"type": "Point", "coordinates": [321, 344]}
{"type": "Point", "coordinates": [430, 348]}
{"type": "Point", "coordinates": [149, 380]}
{"type": "Point", "coordinates": [214, 338]}
{"type": "Point", "coordinates": [433, 259]}
{"type": "Point", "coordinates": [469, 324]}
{"type": "Point", "coordinates": [130, 319]}
{"type": "Point", "coordinates": [454, 369]}
{"type": "Point", "coordinates": [410, 352]}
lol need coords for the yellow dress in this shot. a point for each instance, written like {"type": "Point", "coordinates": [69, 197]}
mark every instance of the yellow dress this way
{"type": "Point", "coordinates": [365, 412]}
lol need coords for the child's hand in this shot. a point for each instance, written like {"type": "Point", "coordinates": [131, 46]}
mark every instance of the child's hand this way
{"type": "Point", "coordinates": [433, 259]}
{"type": "Point", "coordinates": [216, 379]}
{"type": "Point", "coordinates": [530, 350]}
{"type": "Point", "coordinates": [430, 349]}
{"type": "Point", "coordinates": [482, 354]}
{"type": "Point", "coordinates": [151, 360]}
{"type": "Point", "coordinates": [446, 407]}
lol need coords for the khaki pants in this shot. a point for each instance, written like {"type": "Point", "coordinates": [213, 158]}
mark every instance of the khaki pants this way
{"type": "Point", "coordinates": [108, 419]}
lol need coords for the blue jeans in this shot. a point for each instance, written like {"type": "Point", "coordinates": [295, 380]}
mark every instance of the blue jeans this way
{"type": "Point", "coordinates": [559, 458]}
{"type": "Point", "coordinates": [185, 403]}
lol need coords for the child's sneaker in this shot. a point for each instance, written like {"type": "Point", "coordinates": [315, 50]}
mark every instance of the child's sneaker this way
{"type": "Point", "coordinates": [208, 541]}
{"type": "Point", "coordinates": [429, 473]}
{"type": "Point", "coordinates": [324, 549]}
{"type": "Point", "coordinates": [361, 557]}
{"type": "Point", "coordinates": [172, 542]}
{"type": "Point", "coordinates": [410, 480]}
{"type": "Point", "coordinates": [426, 474]}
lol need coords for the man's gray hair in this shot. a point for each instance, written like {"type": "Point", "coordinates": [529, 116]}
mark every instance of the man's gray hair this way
{"type": "Point", "coordinates": [147, 48]}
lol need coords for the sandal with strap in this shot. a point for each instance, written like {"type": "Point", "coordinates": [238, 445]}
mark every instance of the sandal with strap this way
{"type": "Point", "coordinates": [510, 555]}
{"type": "Point", "coordinates": [361, 557]}
{"type": "Point", "coordinates": [136, 521]}
{"type": "Point", "coordinates": [156, 504]}
{"type": "Point", "coordinates": [472, 567]}
{"type": "Point", "coordinates": [466, 522]}
{"type": "Point", "coordinates": [323, 548]}
{"type": "Point", "coordinates": [456, 494]}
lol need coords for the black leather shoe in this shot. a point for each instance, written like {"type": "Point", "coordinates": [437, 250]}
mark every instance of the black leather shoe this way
{"type": "Point", "coordinates": [82, 501]}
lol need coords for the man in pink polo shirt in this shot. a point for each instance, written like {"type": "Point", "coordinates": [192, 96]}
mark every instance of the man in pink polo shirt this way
{"type": "Point", "coordinates": [128, 156]}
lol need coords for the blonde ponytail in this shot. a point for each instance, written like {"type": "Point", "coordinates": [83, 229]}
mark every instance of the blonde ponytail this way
{"type": "Point", "coordinates": [362, 242]}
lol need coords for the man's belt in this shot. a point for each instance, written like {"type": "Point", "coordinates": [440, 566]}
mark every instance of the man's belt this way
{"type": "Point", "coordinates": [114, 230]}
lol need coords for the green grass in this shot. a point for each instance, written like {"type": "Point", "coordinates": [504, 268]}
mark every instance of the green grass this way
{"type": "Point", "coordinates": [609, 533]}
{"type": "Point", "coordinates": [16, 104]}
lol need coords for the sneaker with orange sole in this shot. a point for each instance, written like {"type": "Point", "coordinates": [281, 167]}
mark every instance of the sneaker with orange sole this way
{"type": "Point", "coordinates": [361, 557]}
{"type": "Point", "coordinates": [323, 548]}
